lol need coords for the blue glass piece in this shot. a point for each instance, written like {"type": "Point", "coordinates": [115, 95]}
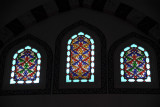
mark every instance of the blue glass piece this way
{"type": "Point", "coordinates": [92, 47]}
{"type": "Point", "coordinates": [27, 47]}
{"type": "Point", "coordinates": [148, 79]}
{"type": "Point", "coordinates": [84, 63]}
{"type": "Point", "coordinates": [77, 42]}
{"type": "Point", "coordinates": [85, 74]}
{"type": "Point", "coordinates": [92, 41]}
{"type": "Point", "coordinates": [78, 59]}
{"type": "Point", "coordinates": [15, 56]}
{"type": "Point", "coordinates": [126, 49]}
{"type": "Point", "coordinates": [13, 68]}
{"type": "Point", "coordinates": [89, 68]}
{"type": "Point", "coordinates": [123, 79]}
{"type": "Point", "coordinates": [92, 58]}
{"type": "Point", "coordinates": [146, 53]}
{"type": "Point", "coordinates": [21, 50]}
{"type": "Point", "coordinates": [92, 64]}
{"type": "Point", "coordinates": [135, 71]}
{"type": "Point", "coordinates": [131, 80]}
{"type": "Point", "coordinates": [80, 33]}
{"type": "Point", "coordinates": [68, 47]}
{"type": "Point", "coordinates": [74, 74]}
{"type": "Point", "coordinates": [86, 52]}
{"type": "Point", "coordinates": [121, 60]}
{"type": "Point", "coordinates": [76, 80]}
{"type": "Point", "coordinates": [147, 60]}
{"type": "Point", "coordinates": [39, 61]}
{"type": "Point", "coordinates": [31, 56]}
{"type": "Point", "coordinates": [34, 50]}
{"type": "Point", "coordinates": [69, 41]}
{"type": "Point", "coordinates": [147, 66]}
{"type": "Point", "coordinates": [23, 56]}
{"type": "Point", "coordinates": [68, 64]}
{"type": "Point", "coordinates": [20, 67]}
{"type": "Point", "coordinates": [87, 36]}
{"type": "Point", "coordinates": [140, 65]}
{"type": "Point", "coordinates": [38, 55]}
{"type": "Point", "coordinates": [92, 78]}
{"type": "Point", "coordinates": [68, 53]}
{"type": "Point", "coordinates": [67, 71]}
{"type": "Point", "coordinates": [122, 66]}
{"type": "Point", "coordinates": [122, 72]}
{"type": "Point", "coordinates": [142, 49]}
{"type": "Point", "coordinates": [76, 63]}
{"type": "Point", "coordinates": [122, 54]}
{"type": "Point", "coordinates": [75, 52]}
{"type": "Point", "coordinates": [148, 72]}
{"type": "Point", "coordinates": [83, 80]}
{"type": "Point", "coordinates": [84, 42]}
{"type": "Point", "coordinates": [13, 62]}
{"type": "Point", "coordinates": [92, 52]}
{"type": "Point", "coordinates": [128, 65]}
{"type": "Point", "coordinates": [68, 59]}
{"type": "Point", "coordinates": [92, 70]}
{"type": "Point", "coordinates": [133, 45]}
{"type": "Point", "coordinates": [74, 36]}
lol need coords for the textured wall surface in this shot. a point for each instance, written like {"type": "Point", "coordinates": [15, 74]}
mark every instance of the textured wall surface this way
{"type": "Point", "coordinates": [46, 19]}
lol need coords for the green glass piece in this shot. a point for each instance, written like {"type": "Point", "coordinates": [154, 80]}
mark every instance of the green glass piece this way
{"type": "Point", "coordinates": [32, 60]}
{"type": "Point", "coordinates": [30, 71]}
{"type": "Point", "coordinates": [21, 71]}
{"type": "Point", "coordinates": [26, 65]}
{"type": "Point", "coordinates": [18, 56]}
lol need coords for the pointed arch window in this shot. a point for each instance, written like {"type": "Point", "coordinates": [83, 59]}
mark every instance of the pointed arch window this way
{"type": "Point", "coordinates": [26, 65]}
{"type": "Point", "coordinates": [80, 58]}
{"type": "Point", "coordinates": [135, 64]}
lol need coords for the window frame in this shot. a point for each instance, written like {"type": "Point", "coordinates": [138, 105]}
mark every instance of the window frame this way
{"type": "Point", "coordinates": [91, 58]}
{"type": "Point", "coordinates": [22, 89]}
{"type": "Point", "coordinates": [147, 62]}
{"type": "Point", "coordinates": [85, 90]}
{"type": "Point", "coordinates": [134, 89]}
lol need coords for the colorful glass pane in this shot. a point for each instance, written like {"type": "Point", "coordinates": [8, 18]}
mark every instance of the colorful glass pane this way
{"type": "Point", "coordinates": [26, 66]}
{"type": "Point", "coordinates": [80, 58]}
{"type": "Point", "coordinates": [135, 64]}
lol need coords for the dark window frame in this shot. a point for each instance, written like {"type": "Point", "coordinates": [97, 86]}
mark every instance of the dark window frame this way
{"type": "Point", "coordinates": [151, 42]}
{"type": "Point", "coordinates": [103, 88]}
{"type": "Point", "coordinates": [35, 91]}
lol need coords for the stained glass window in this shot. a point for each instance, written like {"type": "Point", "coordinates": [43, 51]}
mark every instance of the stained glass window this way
{"type": "Point", "coordinates": [80, 58]}
{"type": "Point", "coordinates": [26, 65]}
{"type": "Point", "coordinates": [135, 64]}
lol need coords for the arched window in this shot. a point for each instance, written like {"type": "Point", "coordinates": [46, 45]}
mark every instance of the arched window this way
{"type": "Point", "coordinates": [135, 64]}
{"type": "Point", "coordinates": [26, 65]}
{"type": "Point", "coordinates": [80, 58]}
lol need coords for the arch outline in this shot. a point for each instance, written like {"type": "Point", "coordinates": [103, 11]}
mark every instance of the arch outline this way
{"type": "Point", "coordinates": [46, 88]}
{"type": "Point", "coordinates": [57, 61]}
{"type": "Point", "coordinates": [111, 72]}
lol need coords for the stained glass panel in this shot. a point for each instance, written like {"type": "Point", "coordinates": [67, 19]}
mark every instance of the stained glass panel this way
{"type": "Point", "coordinates": [26, 65]}
{"type": "Point", "coordinates": [80, 58]}
{"type": "Point", "coordinates": [135, 64]}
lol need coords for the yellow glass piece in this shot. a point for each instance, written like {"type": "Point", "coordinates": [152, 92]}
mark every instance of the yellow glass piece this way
{"type": "Point", "coordinates": [89, 61]}
{"type": "Point", "coordinates": [86, 45]}
{"type": "Point", "coordinates": [84, 56]}
{"type": "Point", "coordinates": [80, 51]}
{"type": "Point", "coordinates": [86, 66]}
{"type": "Point", "coordinates": [71, 61]}
{"type": "Point", "coordinates": [73, 40]}
{"type": "Point", "coordinates": [75, 46]}
{"type": "Point", "coordinates": [74, 67]}
{"type": "Point", "coordinates": [76, 56]}
{"type": "Point", "coordinates": [80, 73]}
{"type": "Point", "coordinates": [80, 47]}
